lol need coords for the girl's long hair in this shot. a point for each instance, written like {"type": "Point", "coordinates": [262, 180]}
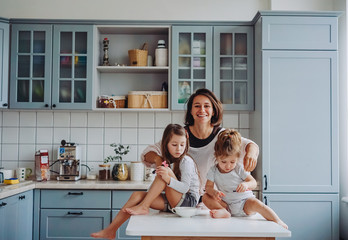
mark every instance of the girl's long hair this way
{"type": "Point", "coordinates": [169, 131]}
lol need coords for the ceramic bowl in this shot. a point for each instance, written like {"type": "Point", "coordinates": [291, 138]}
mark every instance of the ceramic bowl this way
{"type": "Point", "coordinates": [185, 211]}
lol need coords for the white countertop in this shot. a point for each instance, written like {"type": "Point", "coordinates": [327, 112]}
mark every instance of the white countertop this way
{"type": "Point", "coordinates": [9, 190]}
{"type": "Point", "coordinates": [168, 224]}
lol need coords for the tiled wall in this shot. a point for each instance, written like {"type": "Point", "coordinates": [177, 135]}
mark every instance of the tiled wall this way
{"type": "Point", "coordinates": [24, 132]}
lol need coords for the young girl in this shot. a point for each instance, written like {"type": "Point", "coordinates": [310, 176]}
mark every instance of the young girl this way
{"type": "Point", "coordinates": [180, 183]}
{"type": "Point", "coordinates": [234, 196]}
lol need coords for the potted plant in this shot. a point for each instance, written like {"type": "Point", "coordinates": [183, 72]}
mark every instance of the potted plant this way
{"type": "Point", "coordinates": [120, 170]}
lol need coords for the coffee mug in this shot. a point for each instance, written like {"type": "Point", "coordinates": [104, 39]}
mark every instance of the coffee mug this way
{"type": "Point", "coordinates": [185, 211]}
{"type": "Point", "coordinates": [28, 172]}
{"type": "Point", "coordinates": [7, 173]}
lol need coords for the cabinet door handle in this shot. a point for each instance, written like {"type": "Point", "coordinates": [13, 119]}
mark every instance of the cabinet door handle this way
{"type": "Point", "coordinates": [4, 105]}
{"type": "Point", "coordinates": [265, 199]}
{"type": "Point", "coordinates": [21, 197]}
{"type": "Point", "coordinates": [46, 105]}
{"type": "Point", "coordinates": [265, 177]}
{"type": "Point", "coordinates": [75, 213]}
{"type": "Point", "coordinates": [75, 193]}
{"type": "Point", "coordinates": [3, 204]}
{"type": "Point", "coordinates": [54, 105]}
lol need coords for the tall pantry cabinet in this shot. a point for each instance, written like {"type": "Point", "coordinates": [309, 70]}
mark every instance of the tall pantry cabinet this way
{"type": "Point", "coordinates": [295, 121]}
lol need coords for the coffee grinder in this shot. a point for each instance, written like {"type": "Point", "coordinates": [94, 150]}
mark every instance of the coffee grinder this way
{"type": "Point", "coordinates": [69, 162]}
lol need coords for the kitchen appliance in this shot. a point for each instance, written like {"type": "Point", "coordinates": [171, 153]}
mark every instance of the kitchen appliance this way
{"type": "Point", "coordinates": [69, 162]}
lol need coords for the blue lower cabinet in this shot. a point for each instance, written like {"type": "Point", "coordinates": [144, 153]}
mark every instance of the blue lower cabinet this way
{"type": "Point", "coordinates": [308, 216]}
{"type": "Point", "coordinates": [121, 232]}
{"type": "Point", "coordinates": [72, 223]}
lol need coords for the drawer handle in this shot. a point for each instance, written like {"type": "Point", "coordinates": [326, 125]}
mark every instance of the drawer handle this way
{"type": "Point", "coordinates": [75, 213]}
{"type": "Point", "coordinates": [3, 204]}
{"type": "Point", "coordinates": [75, 193]}
{"type": "Point", "coordinates": [21, 197]}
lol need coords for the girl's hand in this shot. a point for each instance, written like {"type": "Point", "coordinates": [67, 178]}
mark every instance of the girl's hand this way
{"type": "Point", "coordinates": [242, 187]}
{"type": "Point", "coordinates": [163, 172]}
{"type": "Point", "coordinates": [218, 195]}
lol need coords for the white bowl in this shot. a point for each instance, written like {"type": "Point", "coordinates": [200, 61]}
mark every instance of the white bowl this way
{"type": "Point", "coordinates": [185, 211]}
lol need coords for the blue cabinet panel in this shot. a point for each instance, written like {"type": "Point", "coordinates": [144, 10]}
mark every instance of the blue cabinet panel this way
{"type": "Point", "coordinates": [121, 232]}
{"type": "Point", "coordinates": [75, 199]}
{"type": "Point", "coordinates": [72, 223]}
{"type": "Point", "coordinates": [281, 32]}
{"type": "Point", "coordinates": [308, 216]}
{"type": "Point", "coordinates": [299, 121]}
{"type": "Point", "coordinates": [119, 198]}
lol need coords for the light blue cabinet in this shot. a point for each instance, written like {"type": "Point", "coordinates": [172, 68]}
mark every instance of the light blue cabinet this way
{"type": "Point", "coordinates": [219, 58]}
{"type": "Point", "coordinates": [51, 66]}
{"type": "Point", "coordinates": [233, 67]}
{"type": "Point", "coordinates": [17, 217]}
{"type": "Point", "coordinates": [4, 60]}
{"type": "Point", "coordinates": [192, 58]}
{"type": "Point", "coordinates": [295, 122]}
{"type": "Point", "coordinates": [309, 216]}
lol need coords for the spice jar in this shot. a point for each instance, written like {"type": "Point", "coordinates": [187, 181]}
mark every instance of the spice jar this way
{"type": "Point", "coordinates": [104, 172]}
{"type": "Point", "coordinates": [103, 101]}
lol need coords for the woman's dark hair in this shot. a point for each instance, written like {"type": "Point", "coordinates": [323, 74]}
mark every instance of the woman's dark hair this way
{"type": "Point", "coordinates": [216, 119]}
{"type": "Point", "coordinates": [169, 131]}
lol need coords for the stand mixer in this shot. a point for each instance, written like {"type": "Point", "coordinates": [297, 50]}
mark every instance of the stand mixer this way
{"type": "Point", "coordinates": [69, 162]}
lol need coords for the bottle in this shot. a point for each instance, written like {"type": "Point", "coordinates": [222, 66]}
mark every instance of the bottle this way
{"type": "Point", "coordinates": [161, 54]}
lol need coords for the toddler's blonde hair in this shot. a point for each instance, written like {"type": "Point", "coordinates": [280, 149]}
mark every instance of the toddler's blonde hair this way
{"type": "Point", "coordinates": [228, 143]}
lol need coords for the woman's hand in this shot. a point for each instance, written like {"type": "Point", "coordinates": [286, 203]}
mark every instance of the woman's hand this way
{"type": "Point", "coordinates": [250, 158]}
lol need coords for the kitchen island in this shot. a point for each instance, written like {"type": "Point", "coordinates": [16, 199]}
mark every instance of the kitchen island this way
{"type": "Point", "coordinates": [168, 226]}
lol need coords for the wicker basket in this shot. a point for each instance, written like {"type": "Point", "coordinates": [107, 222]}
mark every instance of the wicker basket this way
{"type": "Point", "coordinates": [138, 57]}
{"type": "Point", "coordinates": [117, 101]}
{"type": "Point", "coordinates": [147, 99]}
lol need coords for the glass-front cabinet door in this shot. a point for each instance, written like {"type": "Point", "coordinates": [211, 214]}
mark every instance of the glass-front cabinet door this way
{"type": "Point", "coordinates": [4, 52]}
{"type": "Point", "coordinates": [72, 67]}
{"type": "Point", "coordinates": [191, 62]}
{"type": "Point", "coordinates": [31, 54]}
{"type": "Point", "coordinates": [233, 67]}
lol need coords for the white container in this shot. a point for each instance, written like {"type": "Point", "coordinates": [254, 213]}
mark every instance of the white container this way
{"type": "Point", "coordinates": [137, 171]}
{"type": "Point", "coordinates": [20, 173]}
{"type": "Point", "coordinates": [161, 54]}
{"type": "Point", "coordinates": [149, 174]}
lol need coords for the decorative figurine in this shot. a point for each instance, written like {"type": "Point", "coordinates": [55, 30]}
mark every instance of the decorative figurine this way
{"type": "Point", "coordinates": [106, 55]}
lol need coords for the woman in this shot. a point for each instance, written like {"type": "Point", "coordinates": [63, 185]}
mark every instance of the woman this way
{"type": "Point", "coordinates": [202, 122]}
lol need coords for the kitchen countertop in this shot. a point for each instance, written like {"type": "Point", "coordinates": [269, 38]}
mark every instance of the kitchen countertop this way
{"type": "Point", "coordinates": [202, 225]}
{"type": "Point", "coordinates": [9, 190]}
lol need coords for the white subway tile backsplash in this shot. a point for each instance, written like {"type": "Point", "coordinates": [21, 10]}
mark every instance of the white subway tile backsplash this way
{"type": "Point", "coordinates": [27, 119]}
{"type": "Point", "coordinates": [112, 119]}
{"type": "Point", "coordinates": [146, 136]}
{"type": "Point", "coordinates": [112, 135]}
{"type": "Point", "coordinates": [10, 135]}
{"type": "Point", "coordinates": [27, 135]}
{"type": "Point", "coordinates": [95, 119]}
{"type": "Point", "coordinates": [95, 136]}
{"type": "Point", "coordinates": [178, 117]}
{"type": "Point", "coordinates": [78, 135]}
{"type": "Point", "coordinates": [162, 119]}
{"type": "Point", "coordinates": [132, 155]}
{"type": "Point", "coordinates": [10, 119]}
{"type": "Point", "coordinates": [9, 152]}
{"type": "Point", "coordinates": [61, 133]}
{"type": "Point", "coordinates": [78, 119]}
{"type": "Point", "coordinates": [44, 119]}
{"type": "Point", "coordinates": [61, 119]}
{"type": "Point", "coordinates": [158, 134]}
{"type": "Point", "coordinates": [230, 120]}
{"type": "Point", "coordinates": [146, 120]}
{"type": "Point", "coordinates": [141, 148]}
{"type": "Point", "coordinates": [243, 120]}
{"type": "Point", "coordinates": [129, 119]}
{"type": "Point", "coordinates": [26, 152]}
{"type": "Point", "coordinates": [44, 135]}
{"type": "Point", "coordinates": [95, 153]}
{"type": "Point", "coordinates": [129, 136]}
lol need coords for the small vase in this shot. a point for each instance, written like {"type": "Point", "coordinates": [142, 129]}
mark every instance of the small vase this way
{"type": "Point", "coordinates": [104, 172]}
{"type": "Point", "coordinates": [120, 172]}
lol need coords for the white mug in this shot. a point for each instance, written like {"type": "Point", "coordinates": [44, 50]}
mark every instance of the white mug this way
{"type": "Point", "coordinates": [7, 173]}
{"type": "Point", "coordinates": [21, 174]}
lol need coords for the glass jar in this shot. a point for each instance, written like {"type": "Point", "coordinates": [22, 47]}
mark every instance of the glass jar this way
{"type": "Point", "coordinates": [104, 172]}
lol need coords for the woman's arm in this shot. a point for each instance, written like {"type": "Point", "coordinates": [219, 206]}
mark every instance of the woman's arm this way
{"type": "Point", "coordinates": [251, 155]}
{"type": "Point", "coordinates": [153, 158]}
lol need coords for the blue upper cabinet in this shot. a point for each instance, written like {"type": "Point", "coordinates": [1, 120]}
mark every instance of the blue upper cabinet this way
{"type": "Point", "coordinates": [35, 82]}
{"type": "Point", "coordinates": [4, 52]}
{"type": "Point", "coordinates": [72, 67]}
{"type": "Point", "coordinates": [191, 62]}
{"type": "Point", "coordinates": [233, 67]}
{"type": "Point", "coordinates": [31, 54]}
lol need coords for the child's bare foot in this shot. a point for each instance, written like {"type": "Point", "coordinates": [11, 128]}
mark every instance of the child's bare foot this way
{"type": "Point", "coordinates": [219, 213]}
{"type": "Point", "coordinates": [281, 223]}
{"type": "Point", "coordinates": [104, 234]}
{"type": "Point", "coordinates": [137, 210]}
